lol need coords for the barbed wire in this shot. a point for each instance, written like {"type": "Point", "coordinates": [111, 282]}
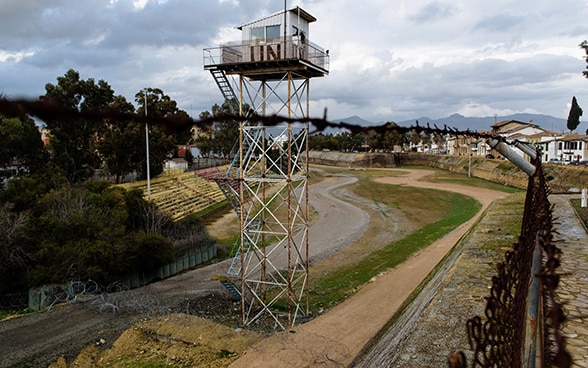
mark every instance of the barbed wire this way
{"type": "Point", "coordinates": [49, 109]}
{"type": "Point", "coordinates": [115, 298]}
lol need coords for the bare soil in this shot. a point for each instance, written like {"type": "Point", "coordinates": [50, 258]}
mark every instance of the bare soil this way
{"type": "Point", "coordinates": [186, 336]}
{"type": "Point", "coordinates": [335, 338]}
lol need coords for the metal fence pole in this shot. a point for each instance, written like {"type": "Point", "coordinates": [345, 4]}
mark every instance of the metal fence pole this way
{"type": "Point", "coordinates": [533, 301]}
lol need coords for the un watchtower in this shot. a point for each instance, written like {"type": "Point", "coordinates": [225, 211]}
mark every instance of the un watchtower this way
{"type": "Point", "coordinates": [268, 72]}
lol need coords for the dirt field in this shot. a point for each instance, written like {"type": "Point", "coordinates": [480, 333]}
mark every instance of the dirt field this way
{"type": "Point", "coordinates": [332, 339]}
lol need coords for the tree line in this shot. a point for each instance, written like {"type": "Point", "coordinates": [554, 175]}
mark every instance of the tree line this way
{"type": "Point", "coordinates": [390, 140]}
{"type": "Point", "coordinates": [56, 224]}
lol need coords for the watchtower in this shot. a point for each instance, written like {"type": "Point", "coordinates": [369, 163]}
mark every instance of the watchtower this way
{"type": "Point", "coordinates": [270, 69]}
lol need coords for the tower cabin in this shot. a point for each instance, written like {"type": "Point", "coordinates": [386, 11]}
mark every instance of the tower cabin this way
{"type": "Point", "coordinates": [270, 47]}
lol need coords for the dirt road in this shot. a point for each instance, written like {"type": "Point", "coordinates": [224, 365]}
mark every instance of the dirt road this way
{"type": "Point", "coordinates": [334, 339]}
{"type": "Point", "coordinates": [64, 331]}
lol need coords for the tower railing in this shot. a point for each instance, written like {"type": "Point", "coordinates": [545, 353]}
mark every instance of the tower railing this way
{"type": "Point", "coordinates": [257, 51]}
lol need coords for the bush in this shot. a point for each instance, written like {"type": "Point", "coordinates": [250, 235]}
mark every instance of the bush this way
{"type": "Point", "coordinates": [94, 231]}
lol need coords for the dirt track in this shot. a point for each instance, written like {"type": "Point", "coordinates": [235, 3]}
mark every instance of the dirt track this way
{"type": "Point", "coordinates": [330, 340]}
{"type": "Point", "coordinates": [65, 330]}
{"type": "Point", "coordinates": [334, 339]}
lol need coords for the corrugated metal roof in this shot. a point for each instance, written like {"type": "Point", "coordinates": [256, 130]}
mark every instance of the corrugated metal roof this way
{"type": "Point", "coordinates": [303, 14]}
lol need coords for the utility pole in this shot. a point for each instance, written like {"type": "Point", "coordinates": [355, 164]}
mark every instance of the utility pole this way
{"type": "Point", "coordinates": [147, 149]}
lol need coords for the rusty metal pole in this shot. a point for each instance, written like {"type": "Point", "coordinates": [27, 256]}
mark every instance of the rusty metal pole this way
{"type": "Point", "coordinates": [533, 301]}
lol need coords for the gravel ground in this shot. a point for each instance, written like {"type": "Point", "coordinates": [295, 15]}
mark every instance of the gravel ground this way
{"type": "Point", "coordinates": [337, 337]}
{"type": "Point", "coordinates": [434, 325]}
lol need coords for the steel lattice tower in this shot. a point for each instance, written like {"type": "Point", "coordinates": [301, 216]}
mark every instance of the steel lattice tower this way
{"type": "Point", "coordinates": [271, 70]}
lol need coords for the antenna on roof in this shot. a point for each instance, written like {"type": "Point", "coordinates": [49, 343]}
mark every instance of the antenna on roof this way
{"type": "Point", "coordinates": [285, 20]}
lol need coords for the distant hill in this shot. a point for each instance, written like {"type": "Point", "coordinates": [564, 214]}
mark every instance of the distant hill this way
{"type": "Point", "coordinates": [461, 122]}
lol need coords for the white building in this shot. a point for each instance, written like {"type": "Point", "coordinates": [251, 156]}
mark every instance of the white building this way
{"type": "Point", "coordinates": [565, 148]}
{"type": "Point", "coordinates": [514, 130]}
{"type": "Point", "coordinates": [176, 163]}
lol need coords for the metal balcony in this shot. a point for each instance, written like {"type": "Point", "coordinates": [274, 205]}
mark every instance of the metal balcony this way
{"type": "Point", "coordinates": [269, 60]}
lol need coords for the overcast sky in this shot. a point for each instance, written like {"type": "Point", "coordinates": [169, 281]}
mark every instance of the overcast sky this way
{"type": "Point", "coordinates": [389, 60]}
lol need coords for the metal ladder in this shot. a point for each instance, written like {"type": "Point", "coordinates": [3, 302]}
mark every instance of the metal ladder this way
{"type": "Point", "coordinates": [223, 84]}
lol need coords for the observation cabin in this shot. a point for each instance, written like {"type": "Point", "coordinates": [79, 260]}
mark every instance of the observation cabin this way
{"type": "Point", "coordinates": [270, 47]}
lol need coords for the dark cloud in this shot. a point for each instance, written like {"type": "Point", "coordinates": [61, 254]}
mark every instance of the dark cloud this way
{"type": "Point", "coordinates": [389, 60]}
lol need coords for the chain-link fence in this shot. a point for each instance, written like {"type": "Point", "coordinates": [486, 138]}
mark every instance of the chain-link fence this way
{"type": "Point", "coordinates": [522, 323]}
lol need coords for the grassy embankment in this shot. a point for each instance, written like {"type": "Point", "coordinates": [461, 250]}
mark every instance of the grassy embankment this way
{"type": "Point", "coordinates": [431, 213]}
{"type": "Point", "coordinates": [581, 211]}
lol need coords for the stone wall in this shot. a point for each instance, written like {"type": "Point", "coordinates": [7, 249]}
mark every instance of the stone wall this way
{"type": "Point", "coordinates": [561, 178]}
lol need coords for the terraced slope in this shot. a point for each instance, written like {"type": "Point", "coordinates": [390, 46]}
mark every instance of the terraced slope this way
{"type": "Point", "coordinates": [181, 195]}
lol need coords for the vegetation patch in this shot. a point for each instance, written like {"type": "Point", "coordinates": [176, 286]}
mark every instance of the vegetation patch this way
{"type": "Point", "coordinates": [438, 212]}
{"type": "Point", "coordinates": [581, 211]}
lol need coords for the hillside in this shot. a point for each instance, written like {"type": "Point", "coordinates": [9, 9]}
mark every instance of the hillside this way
{"type": "Point", "coordinates": [461, 122]}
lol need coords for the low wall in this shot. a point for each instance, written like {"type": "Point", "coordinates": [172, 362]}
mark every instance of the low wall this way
{"type": "Point", "coordinates": [354, 160]}
{"type": "Point", "coordinates": [561, 178]}
{"type": "Point", "coordinates": [44, 297]}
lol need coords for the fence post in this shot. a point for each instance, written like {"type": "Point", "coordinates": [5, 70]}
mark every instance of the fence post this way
{"type": "Point", "coordinates": [534, 323]}
{"type": "Point", "coordinates": [584, 197]}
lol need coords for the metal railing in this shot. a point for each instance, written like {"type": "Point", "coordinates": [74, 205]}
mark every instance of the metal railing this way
{"type": "Point", "coordinates": [289, 48]}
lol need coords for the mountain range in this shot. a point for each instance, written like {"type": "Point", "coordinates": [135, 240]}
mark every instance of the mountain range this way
{"type": "Point", "coordinates": [461, 122]}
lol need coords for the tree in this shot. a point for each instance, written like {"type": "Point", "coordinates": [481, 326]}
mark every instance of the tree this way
{"type": "Point", "coordinates": [160, 105]}
{"type": "Point", "coordinates": [221, 138]}
{"type": "Point", "coordinates": [584, 45]}
{"type": "Point", "coordinates": [161, 145]}
{"type": "Point", "coordinates": [574, 115]}
{"type": "Point", "coordinates": [121, 142]}
{"type": "Point", "coordinates": [426, 140]}
{"type": "Point", "coordinates": [72, 141]}
{"type": "Point", "coordinates": [22, 148]}
{"type": "Point", "coordinates": [414, 138]}
{"type": "Point", "coordinates": [86, 231]}
{"type": "Point", "coordinates": [14, 255]}
{"type": "Point", "coordinates": [392, 139]}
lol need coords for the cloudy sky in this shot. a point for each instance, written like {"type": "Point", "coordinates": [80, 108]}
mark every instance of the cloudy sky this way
{"type": "Point", "coordinates": [389, 60]}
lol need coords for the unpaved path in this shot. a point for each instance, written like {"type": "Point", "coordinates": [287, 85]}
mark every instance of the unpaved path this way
{"type": "Point", "coordinates": [339, 224]}
{"type": "Point", "coordinates": [334, 339]}
{"type": "Point", "coordinates": [64, 331]}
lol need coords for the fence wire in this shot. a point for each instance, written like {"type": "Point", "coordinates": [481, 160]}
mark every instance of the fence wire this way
{"type": "Point", "coordinates": [498, 338]}
{"type": "Point", "coordinates": [115, 298]}
{"type": "Point", "coordinates": [48, 109]}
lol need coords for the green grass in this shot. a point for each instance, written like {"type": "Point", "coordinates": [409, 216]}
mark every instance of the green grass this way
{"type": "Point", "coordinates": [454, 210]}
{"type": "Point", "coordinates": [447, 177]}
{"type": "Point", "coordinates": [581, 211]}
